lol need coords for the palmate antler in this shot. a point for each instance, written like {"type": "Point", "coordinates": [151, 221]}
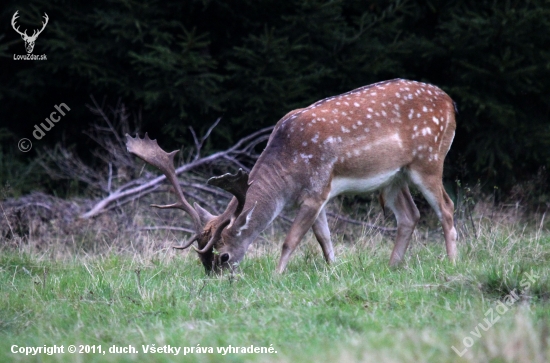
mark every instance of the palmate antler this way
{"type": "Point", "coordinates": [237, 185]}
{"type": "Point", "coordinates": [149, 151]}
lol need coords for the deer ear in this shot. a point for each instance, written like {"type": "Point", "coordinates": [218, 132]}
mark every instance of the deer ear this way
{"type": "Point", "coordinates": [204, 215]}
{"type": "Point", "coordinates": [243, 220]}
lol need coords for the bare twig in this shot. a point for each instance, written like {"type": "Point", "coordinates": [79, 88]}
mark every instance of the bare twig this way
{"type": "Point", "coordinates": [170, 228]}
{"type": "Point", "coordinates": [354, 221]}
{"type": "Point", "coordinates": [200, 143]}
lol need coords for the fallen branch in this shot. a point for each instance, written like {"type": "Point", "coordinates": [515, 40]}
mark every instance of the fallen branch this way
{"type": "Point", "coordinates": [130, 191]}
{"type": "Point", "coordinates": [169, 228]}
{"type": "Point", "coordinates": [355, 221]}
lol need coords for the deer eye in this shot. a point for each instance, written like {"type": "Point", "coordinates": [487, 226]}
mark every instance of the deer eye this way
{"type": "Point", "coordinates": [224, 257]}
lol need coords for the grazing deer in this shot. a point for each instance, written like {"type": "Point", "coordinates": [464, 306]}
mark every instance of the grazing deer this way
{"type": "Point", "coordinates": [379, 137]}
{"type": "Point", "coordinates": [29, 40]}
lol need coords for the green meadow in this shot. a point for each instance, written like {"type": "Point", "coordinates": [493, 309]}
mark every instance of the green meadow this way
{"type": "Point", "coordinates": [492, 306]}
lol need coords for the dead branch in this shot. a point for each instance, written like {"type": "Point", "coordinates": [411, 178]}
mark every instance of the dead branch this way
{"type": "Point", "coordinates": [168, 228]}
{"type": "Point", "coordinates": [131, 191]}
{"type": "Point", "coordinates": [357, 222]}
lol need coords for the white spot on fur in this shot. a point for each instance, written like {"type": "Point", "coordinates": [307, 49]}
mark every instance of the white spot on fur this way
{"type": "Point", "coordinates": [345, 130]}
{"type": "Point", "coordinates": [356, 104]}
{"type": "Point", "coordinates": [315, 138]}
{"type": "Point", "coordinates": [436, 120]}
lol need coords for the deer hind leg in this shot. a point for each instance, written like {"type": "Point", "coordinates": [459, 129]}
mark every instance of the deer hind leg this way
{"type": "Point", "coordinates": [431, 187]}
{"type": "Point", "coordinates": [304, 220]}
{"type": "Point", "coordinates": [322, 233]}
{"type": "Point", "coordinates": [398, 198]}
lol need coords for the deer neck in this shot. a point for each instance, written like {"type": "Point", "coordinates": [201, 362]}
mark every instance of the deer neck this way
{"type": "Point", "coordinates": [268, 194]}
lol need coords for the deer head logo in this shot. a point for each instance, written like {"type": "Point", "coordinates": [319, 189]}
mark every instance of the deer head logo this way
{"type": "Point", "coordinates": [29, 40]}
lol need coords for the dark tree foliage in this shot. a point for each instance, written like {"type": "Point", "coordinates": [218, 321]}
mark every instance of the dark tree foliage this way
{"type": "Point", "coordinates": [186, 63]}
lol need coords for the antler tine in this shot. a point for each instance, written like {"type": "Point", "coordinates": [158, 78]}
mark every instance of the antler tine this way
{"type": "Point", "coordinates": [43, 24]}
{"type": "Point", "coordinates": [149, 151]}
{"type": "Point", "coordinates": [188, 243]}
{"type": "Point", "coordinates": [13, 19]}
{"type": "Point", "coordinates": [236, 184]}
{"type": "Point", "coordinates": [215, 237]}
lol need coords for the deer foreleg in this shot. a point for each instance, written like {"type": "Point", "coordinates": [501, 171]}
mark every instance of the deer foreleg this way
{"type": "Point", "coordinates": [302, 223]}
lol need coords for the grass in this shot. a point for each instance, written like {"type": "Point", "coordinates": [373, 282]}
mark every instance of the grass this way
{"type": "Point", "coordinates": [357, 310]}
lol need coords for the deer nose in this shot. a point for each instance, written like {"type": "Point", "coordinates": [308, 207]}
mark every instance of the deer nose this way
{"type": "Point", "coordinates": [225, 257]}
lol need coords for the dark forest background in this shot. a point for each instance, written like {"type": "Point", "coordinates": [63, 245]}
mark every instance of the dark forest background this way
{"type": "Point", "coordinates": [182, 64]}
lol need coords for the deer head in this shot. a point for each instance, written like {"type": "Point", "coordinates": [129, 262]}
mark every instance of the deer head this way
{"type": "Point", "coordinates": [383, 137]}
{"type": "Point", "coordinates": [29, 40]}
{"type": "Point", "coordinates": [208, 228]}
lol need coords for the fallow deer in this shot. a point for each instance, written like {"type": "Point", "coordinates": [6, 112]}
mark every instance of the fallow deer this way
{"type": "Point", "coordinates": [383, 136]}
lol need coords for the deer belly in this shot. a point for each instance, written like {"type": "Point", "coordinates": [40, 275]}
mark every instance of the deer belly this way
{"type": "Point", "coordinates": [352, 185]}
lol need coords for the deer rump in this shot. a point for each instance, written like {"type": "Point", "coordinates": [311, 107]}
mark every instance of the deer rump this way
{"type": "Point", "coordinates": [383, 136]}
